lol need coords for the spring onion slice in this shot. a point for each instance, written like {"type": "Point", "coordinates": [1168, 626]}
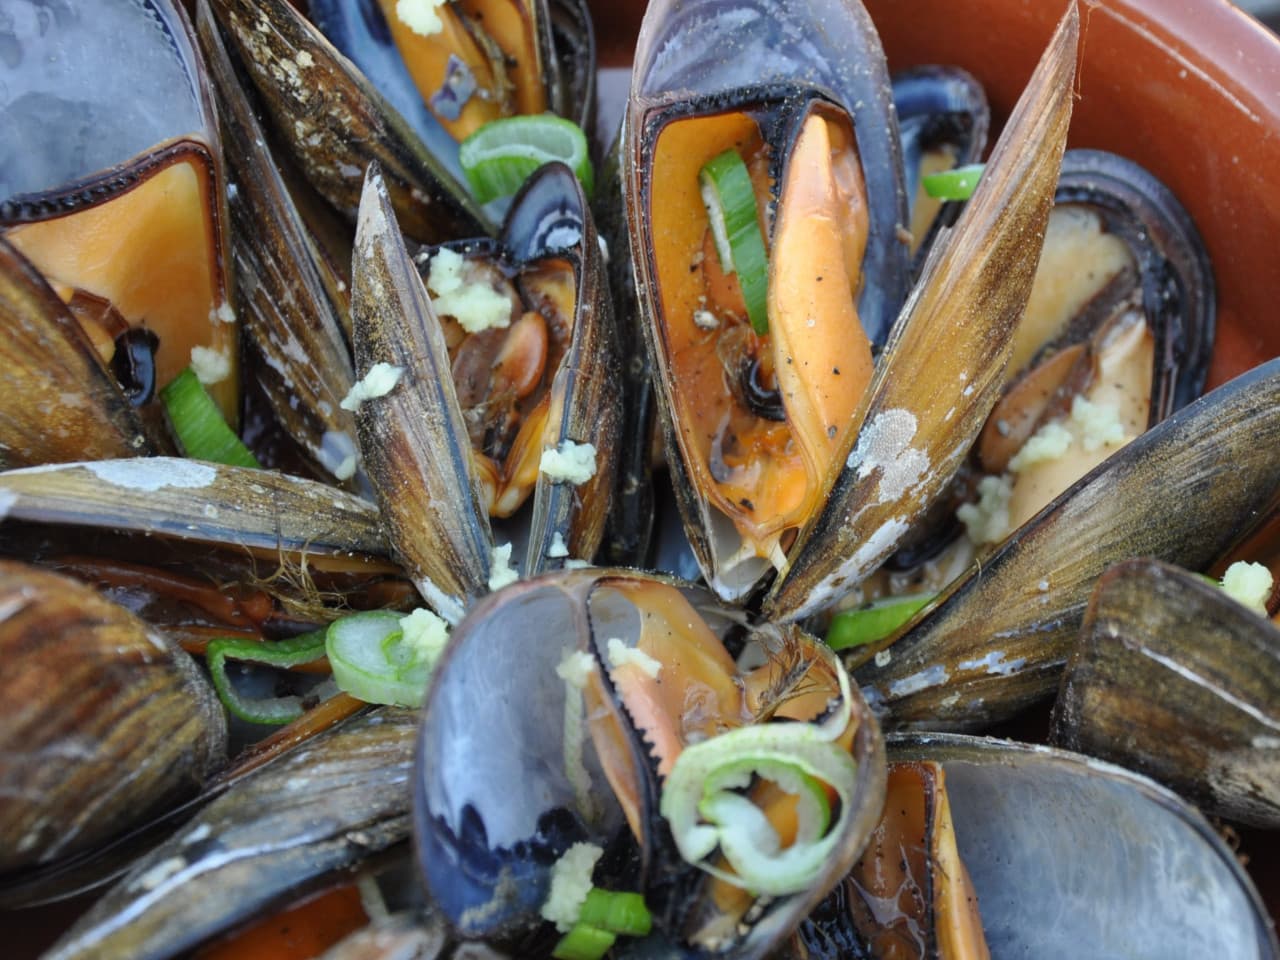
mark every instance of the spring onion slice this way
{"type": "Point", "coordinates": [621, 912]}
{"type": "Point", "coordinates": [584, 942]}
{"type": "Point", "coordinates": [374, 661]}
{"type": "Point", "coordinates": [731, 209]}
{"type": "Point", "coordinates": [957, 184]}
{"type": "Point", "coordinates": [501, 155]}
{"type": "Point", "coordinates": [873, 621]}
{"type": "Point", "coordinates": [282, 654]}
{"type": "Point", "coordinates": [706, 809]}
{"type": "Point", "coordinates": [203, 433]}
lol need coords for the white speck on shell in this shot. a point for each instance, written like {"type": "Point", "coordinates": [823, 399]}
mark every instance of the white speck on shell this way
{"type": "Point", "coordinates": [934, 676]}
{"type": "Point", "coordinates": [154, 473]}
{"type": "Point", "coordinates": [995, 664]}
{"type": "Point", "coordinates": [885, 443]}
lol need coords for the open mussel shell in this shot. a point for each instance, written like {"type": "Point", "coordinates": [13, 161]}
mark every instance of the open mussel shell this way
{"type": "Point", "coordinates": [60, 402]}
{"type": "Point", "coordinates": [323, 808]}
{"type": "Point", "coordinates": [1174, 679]}
{"type": "Point", "coordinates": [415, 440]}
{"type": "Point", "coordinates": [335, 123]}
{"type": "Point", "coordinates": [292, 325]}
{"type": "Point", "coordinates": [486, 852]}
{"type": "Point", "coordinates": [106, 723]}
{"type": "Point", "coordinates": [943, 118]}
{"type": "Point", "coordinates": [111, 184]}
{"type": "Point", "coordinates": [1184, 492]}
{"type": "Point", "coordinates": [1070, 855]}
{"type": "Point", "coordinates": [557, 37]}
{"type": "Point", "coordinates": [1176, 279]}
{"type": "Point", "coordinates": [707, 56]}
{"type": "Point", "coordinates": [774, 82]}
{"type": "Point", "coordinates": [947, 363]}
{"type": "Point", "coordinates": [549, 226]}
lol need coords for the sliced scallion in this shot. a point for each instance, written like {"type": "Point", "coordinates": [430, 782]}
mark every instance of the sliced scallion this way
{"type": "Point", "coordinates": [873, 621]}
{"type": "Point", "coordinates": [707, 803]}
{"type": "Point", "coordinates": [282, 654]}
{"type": "Point", "coordinates": [501, 155]}
{"type": "Point", "coordinates": [957, 184]}
{"type": "Point", "coordinates": [620, 912]}
{"type": "Point", "coordinates": [196, 420]}
{"type": "Point", "coordinates": [730, 200]}
{"type": "Point", "coordinates": [373, 661]}
{"type": "Point", "coordinates": [584, 942]}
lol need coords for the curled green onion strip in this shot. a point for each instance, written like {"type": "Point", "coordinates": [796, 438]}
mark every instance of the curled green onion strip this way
{"type": "Point", "coordinates": [199, 426]}
{"type": "Point", "coordinates": [704, 803]}
{"type": "Point", "coordinates": [282, 654]}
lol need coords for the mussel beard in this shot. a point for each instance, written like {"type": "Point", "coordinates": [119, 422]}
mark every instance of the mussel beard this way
{"type": "Point", "coordinates": [759, 417]}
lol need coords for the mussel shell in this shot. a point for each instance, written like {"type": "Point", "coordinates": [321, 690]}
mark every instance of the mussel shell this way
{"type": "Point", "coordinates": [1174, 679]}
{"type": "Point", "coordinates": [1072, 855]}
{"type": "Point", "coordinates": [773, 62]}
{"type": "Point", "coordinates": [336, 123]}
{"type": "Point", "coordinates": [936, 107]}
{"type": "Point", "coordinates": [485, 852]}
{"type": "Point", "coordinates": [231, 534]}
{"type": "Point", "coordinates": [706, 55]}
{"type": "Point", "coordinates": [995, 641]}
{"type": "Point", "coordinates": [252, 512]}
{"type": "Point", "coordinates": [72, 107]}
{"type": "Point", "coordinates": [563, 29]}
{"type": "Point", "coordinates": [413, 440]}
{"type": "Point", "coordinates": [1178, 291]}
{"type": "Point", "coordinates": [118, 149]}
{"type": "Point", "coordinates": [325, 807]}
{"type": "Point", "coordinates": [550, 217]}
{"type": "Point", "coordinates": [105, 721]}
{"type": "Point", "coordinates": [290, 322]}
{"type": "Point", "coordinates": [60, 403]}
{"type": "Point", "coordinates": [947, 362]}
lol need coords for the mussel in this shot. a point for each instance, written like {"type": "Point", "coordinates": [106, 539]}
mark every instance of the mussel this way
{"type": "Point", "coordinates": [819, 495]}
{"type": "Point", "coordinates": [530, 381]}
{"type": "Point", "coordinates": [282, 830]}
{"type": "Point", "coordinates": [997, 639]}
{"type": "Point", "coordinates": [625, 681]}
{"type": "Point", "coordinates": [197, 548]}
{"type": "Point", "coordinates": [106, 722]}
{"type": "Point", "coordinates": [1173, 678]}
{"type": "Point", "coordinates": [112, 187]}
{"type": "Point", "coordinates": [909, 894]}
{"type": "Point", "coordinates": [1116, 336]}
{"type": "Point", "coordinates": [1070, 855]}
